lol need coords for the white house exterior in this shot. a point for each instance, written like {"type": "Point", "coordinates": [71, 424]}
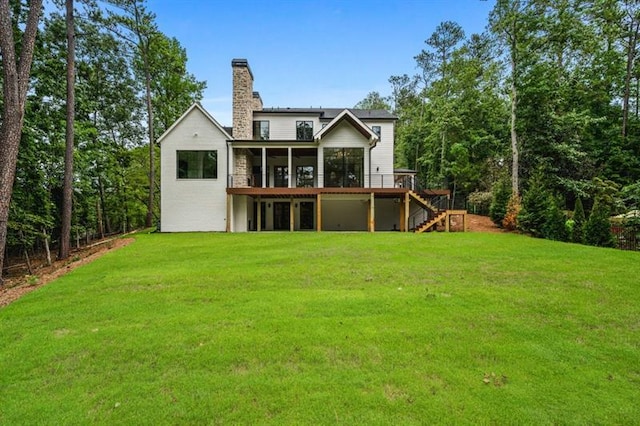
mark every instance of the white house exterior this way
{"type": "Point", "coordinates": [324, 169]}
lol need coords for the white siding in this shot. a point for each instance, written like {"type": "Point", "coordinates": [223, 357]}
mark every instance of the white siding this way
{"type": "Point", "coordinates": [240, 213]}
{"type": "Point", "coordinates": [382, 153]}
{"type": "Point", "coordinates": [283, 126]}
{"type": "Point", "coordinates": [193, 204]}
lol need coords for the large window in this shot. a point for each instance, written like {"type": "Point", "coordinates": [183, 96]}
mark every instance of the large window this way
{"type": "Point", "coordinates": [304, 130]}
{"type": "Point", "coordinates": [343, 167]}
{"type": "Point", "coordinates": [304, 176]}
{"type": "Point", "coordinates": [197, 164]}
{"type": "Point", "coordinates": [261, 130]}
{"type": "Point", "coordinates": [281, 176]}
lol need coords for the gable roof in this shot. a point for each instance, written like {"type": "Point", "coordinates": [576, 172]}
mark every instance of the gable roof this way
{"type": "Point", "coordinates": [198, 106]}
{"type": "Point", "coordinates": [347, 115]}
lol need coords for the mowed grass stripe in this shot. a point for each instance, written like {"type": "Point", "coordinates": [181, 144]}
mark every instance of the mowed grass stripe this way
{"type": "Point", "coordinates": [329, 328]}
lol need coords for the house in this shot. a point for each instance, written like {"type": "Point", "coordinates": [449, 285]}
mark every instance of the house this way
{"type": "Point", "coordinates": [324, 169]}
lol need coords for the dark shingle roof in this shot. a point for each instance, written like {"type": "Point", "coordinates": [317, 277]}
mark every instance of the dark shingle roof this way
{"type": "Point", "coordinates": [331, 113]}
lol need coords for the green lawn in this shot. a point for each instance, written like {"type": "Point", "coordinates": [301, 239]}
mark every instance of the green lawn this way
{"type": "Point", "coordinates": [347, 328]}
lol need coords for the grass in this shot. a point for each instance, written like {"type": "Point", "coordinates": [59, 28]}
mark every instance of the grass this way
{"type": "Point", "coordinates": [347, 328]}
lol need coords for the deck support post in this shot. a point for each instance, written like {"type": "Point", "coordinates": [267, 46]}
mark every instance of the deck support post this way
{"type": "Point", "coordinates": [372, 213]}
{"type": "Point", "coordinates": [401, 221]}
{"type": "Point", "coordinates": [259, 215]}
{"type": "Point", "coordinates": [319, 213]}
{"type": "Point", "coordinates": [292, 215]}
{"type": "Point", "coordinates": [229, 211]}
{"type": "Point", "coordinates": [406, 212]}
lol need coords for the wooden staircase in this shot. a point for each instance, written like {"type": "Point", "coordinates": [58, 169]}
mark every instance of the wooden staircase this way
{"type": "Point", "coordinates": [424, 203]}
{"type": "Point", "coordinates": [435, 215]}
{"type": "Point", "coordinates": [426, 225]}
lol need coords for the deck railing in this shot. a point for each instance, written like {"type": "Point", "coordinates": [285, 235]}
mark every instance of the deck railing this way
{"type": "Point", "coordinates": [374, 180]}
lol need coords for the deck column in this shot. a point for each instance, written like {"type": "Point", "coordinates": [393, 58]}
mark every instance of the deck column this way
{"type": "Point", "coordinates": [319, 213]}
{"type": "Point", "coordinates": [372, 213]}
{"type": "Point", "coordinates": [289, 168]}
{"type": "Point", "coordinates": [447, 223]}
{"type": "Point", "coordinates": [292, 216]}
{"type": "Point", "coordinates": [406, 212]}
{"type": "Point", "coordinates": [259, 215]}
{"type": "Point", "coordinates": [229, 210]}
{"type": "Point", "coordinates": [401, 215]}
{"type": "Point", "coordinates": [264, 167]}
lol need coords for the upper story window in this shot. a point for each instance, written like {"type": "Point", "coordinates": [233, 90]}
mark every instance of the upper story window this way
{"type": "Point", "coordinates": [378, 131]}
{"type": "Point", "coordinates": [304, 130]}
{"type": "Point", "coordinates": [261, 130]}
{"type": "Point", "coordinates": [197, 164]}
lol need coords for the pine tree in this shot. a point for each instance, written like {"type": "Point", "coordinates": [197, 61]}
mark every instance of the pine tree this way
{"type": "Point", "coordinates": [577, 233]}
{"type": "Point", "coordinates": [598, 228]}
{"type": "Point", "coordinates": [498, 208]}
{"type": "Point", "coordinates": [554, 227]}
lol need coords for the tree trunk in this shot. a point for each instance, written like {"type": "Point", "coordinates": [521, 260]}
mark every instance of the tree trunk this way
{"type": "Point", "coordinates": [152, 178]}
{"type": "Point", "coordinates": [15, 73]}
{"type": "Point", "coordinates": [515, 156]}
{"type": "Point", "coordinates": [46, 246]}
{"type": "Point", "coordinates": [67, 192]}
{"type": "Point", "coordinates": [631, 55]}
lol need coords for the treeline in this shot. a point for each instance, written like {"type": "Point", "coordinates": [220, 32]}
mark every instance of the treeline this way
{"type": "Point", "coordinates": [131, 83]}
{"type": "Point", "coordinates": [542, 108]}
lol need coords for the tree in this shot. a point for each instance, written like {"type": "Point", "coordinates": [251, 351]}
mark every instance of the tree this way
{"type": "Point", "coordinates": [577, 232]}
{"type": "Point", "coordinates": [506, 22]}
{"type": "Point", "coordinates": [67, 200]}
{"type": "Point", "coordinates": [535, 203]}
{"type": "Point", "coordinates": [373, 100]}
{"type": "Point", "coordinates": [15, 71]}
{"type": "Point", "coordinates": [554, 227]}
{"type": "Point", "coordinates": [501, 194]}
{"type": "Point", "coordinates": [598, 228]}
{"type": "Point", "coordinates": [137, 26]}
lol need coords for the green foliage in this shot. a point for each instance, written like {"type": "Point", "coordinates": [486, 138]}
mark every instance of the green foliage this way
{"type": "Point", "coordinates": [598, 228]}
{"type": "Point", "coordinates": [181, 328]}
{"type": "Point", "coordinates": [500, 198]}
{"type": "Point", "coordinates": [110, 168]}
{"type": "Point", "coordinates": [374, 100]}
{"type": "Point", "coordinates": [579, 219]}
{"type": "Point", "coordinates": [554, 227]}
{"type": "Point", "coordinates": [535, 203]}
{"type": "Point", "coordinates": [480, 202]}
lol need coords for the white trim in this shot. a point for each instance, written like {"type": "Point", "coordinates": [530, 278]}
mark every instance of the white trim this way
{"type": "Point", "coordinates": [187, 112]}
{"type": "Point", "coordinates": [354, 121]}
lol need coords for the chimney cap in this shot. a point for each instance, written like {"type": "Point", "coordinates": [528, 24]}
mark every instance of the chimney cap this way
{"type": "Point", "coordinates": [241, 63]}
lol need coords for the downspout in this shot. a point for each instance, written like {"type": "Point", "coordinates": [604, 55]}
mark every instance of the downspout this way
{"type": "Point", "coordinates": [370, 148]}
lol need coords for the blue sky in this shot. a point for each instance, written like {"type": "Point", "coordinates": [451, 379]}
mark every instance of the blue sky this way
{"type": "Point", "coordinates": [308, 53]}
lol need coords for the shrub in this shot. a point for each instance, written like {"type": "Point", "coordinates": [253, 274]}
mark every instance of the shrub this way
{"type": "Point", "coordinates": [500, 198]}
{"type": "Point", "coordinates": [597, 230]}
{"type": "Point", "coordinates": [577, 232]}
{"type": "Point", "coordinates": [535, 204]}
{"type": "Point", "coordinates": [480, 201]}
{"type": "Point", "coordinates": [555, 227]}
{"type": "Point", "coordinates": [510, 221]}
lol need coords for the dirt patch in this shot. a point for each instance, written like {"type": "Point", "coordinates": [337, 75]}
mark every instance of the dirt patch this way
{"type": "Point", "coordinates": [15, 287]}
{"type": "Point", "coordinates": [477, 223]}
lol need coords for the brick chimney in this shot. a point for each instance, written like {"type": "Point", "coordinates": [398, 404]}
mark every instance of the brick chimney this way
{"type": "Point", "coordinates": [243, 101]}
